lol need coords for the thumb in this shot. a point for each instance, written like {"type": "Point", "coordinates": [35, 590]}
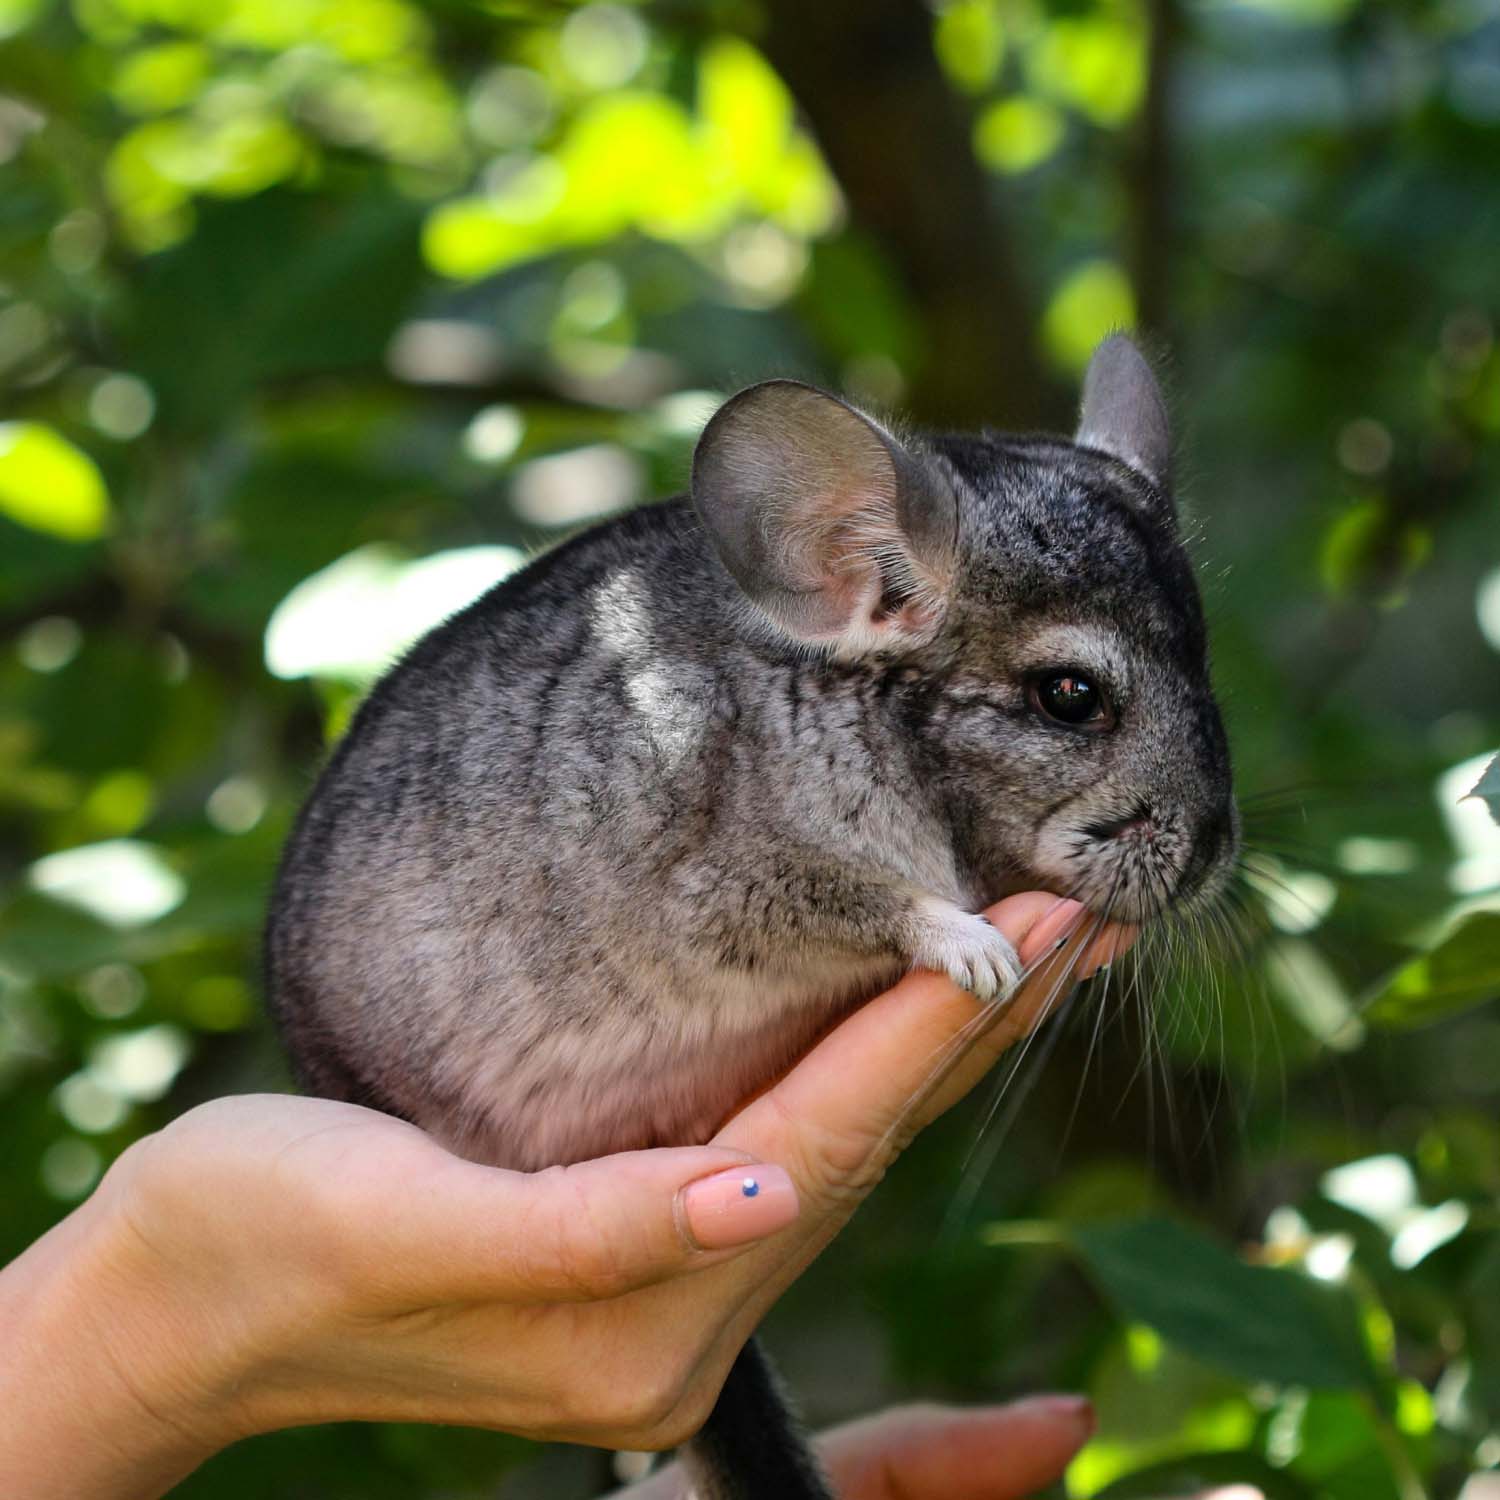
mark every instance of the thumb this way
{"type": "Point", "coordinates": [601, 1228]}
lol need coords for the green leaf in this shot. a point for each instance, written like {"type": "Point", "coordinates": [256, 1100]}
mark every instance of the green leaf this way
{"type": "Point", "coordinates": [276, 286]}
{"type": "Point", "coordinates": [49, 485]}
{"type": "Point", "coordinates": [1253, 1321]}
{"type": "Point", "coordinates": [1461, 972]}
{"type": "Point", "coordinates": [1203, 1472]}
{"type": "Point", "coordinates": [1487, 788]}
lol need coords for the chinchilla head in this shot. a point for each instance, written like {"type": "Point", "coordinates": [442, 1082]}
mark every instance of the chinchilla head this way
{"type": "Point", "coordinates": [1030, 609]}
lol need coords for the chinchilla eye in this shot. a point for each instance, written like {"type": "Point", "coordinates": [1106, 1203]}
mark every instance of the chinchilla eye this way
{"type": "Point", "coordinates": [1071, 698]}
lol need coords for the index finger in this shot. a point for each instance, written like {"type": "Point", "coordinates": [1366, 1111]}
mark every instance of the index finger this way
{"type": "Point", "coordinates": [829, 1120]}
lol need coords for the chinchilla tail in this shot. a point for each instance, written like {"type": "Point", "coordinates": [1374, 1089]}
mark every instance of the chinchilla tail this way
{"type": "Point", "coordinates": [751, 1447]}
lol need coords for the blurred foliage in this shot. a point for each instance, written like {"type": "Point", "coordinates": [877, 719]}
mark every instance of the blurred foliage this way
{"type": "Point", "coordinates": [317, 315]}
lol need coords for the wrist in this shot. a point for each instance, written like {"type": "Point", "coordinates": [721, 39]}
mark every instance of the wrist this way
{"type": "Point", "coordinates": [116, 1385]}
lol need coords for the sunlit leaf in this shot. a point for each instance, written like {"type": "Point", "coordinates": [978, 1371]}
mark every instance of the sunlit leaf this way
{"type": "Point", "coordinates": [1366, 553]}
{"type": "Point", "coordinates": [633, 158]}
{"type": "Point", "coordinates": [123, 882]}
{"type": "Point", "coordinates": [49, 485]}
{"type": "Point", "coordinates": [1199, 1474]}
{"type": "Point", "coordinates": [356, 616]}
{"type": "Point", "coordinates": [1256, 1322]}
{"type": "Point", "coordinates": [161, 77]}
{"type": "Point", "coordinates": [970, 42]}
{"type": "Point", "coordinates": [1474, 833]}
{"type": "Point", "coordinates": [1461, 972]}
{"type": "Point", "coordinates": [1310, 989]}
{"type": "Point", "coordinates": [745, 108]}
{"type": "Point", "coordinates": [16, 15]}
{"type": "Point", "coordinates": [1333, 1440]}
{"type": "Point", "coordinates": [472, 237]}
{"type": "Point", "coordinates": [1153, 1403]}
{"type": "Point", "coordinates": [1487, 788]}
{"type": "Point", "coordinates": [1095, 63]}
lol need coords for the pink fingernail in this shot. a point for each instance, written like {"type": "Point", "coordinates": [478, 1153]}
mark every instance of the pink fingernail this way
{"type": "Point", "coordinates": [1078, 1409]}
{"type": "Point", "coordinates": [737, 1206]}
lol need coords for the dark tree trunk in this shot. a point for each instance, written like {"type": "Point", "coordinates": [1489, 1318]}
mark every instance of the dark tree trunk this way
{"type": "Point", "coordinates": [1150, 178]}
{"type": "Point", "coordinates": [897, 137]}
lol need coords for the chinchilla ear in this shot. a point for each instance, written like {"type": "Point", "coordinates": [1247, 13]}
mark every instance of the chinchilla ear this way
{"type": "Point", "coordinates": [841, 535]}
{"type": "Point", "coordinates": [1123, 412]}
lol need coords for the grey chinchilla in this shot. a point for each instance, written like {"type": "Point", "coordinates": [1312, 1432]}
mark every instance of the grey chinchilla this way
{"type": "Point", "coordinates": [606, 851]}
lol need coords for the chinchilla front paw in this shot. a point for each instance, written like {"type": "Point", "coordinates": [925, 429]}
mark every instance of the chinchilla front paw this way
{"type": "Point", "coordinates": [973, 954]}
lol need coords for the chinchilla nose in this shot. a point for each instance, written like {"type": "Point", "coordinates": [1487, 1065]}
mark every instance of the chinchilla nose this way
{"type": "Point", "coordinates": [1138, 823]}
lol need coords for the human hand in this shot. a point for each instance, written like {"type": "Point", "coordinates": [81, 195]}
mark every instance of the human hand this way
{"type": "Point", "coordinates": [942, 1452]}
{"type": "Point", "coordinates": [267, 1261]}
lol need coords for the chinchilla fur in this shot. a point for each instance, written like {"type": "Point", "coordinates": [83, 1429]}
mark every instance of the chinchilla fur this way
{"type": "Point", "coordinates": [608, 849]}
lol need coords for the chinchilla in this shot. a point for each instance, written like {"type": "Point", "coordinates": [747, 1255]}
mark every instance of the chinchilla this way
{"type": "Point", "coordinates": [607, 850]}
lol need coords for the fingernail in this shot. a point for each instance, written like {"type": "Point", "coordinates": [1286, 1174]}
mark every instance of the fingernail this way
{"type": "Point", "coordinates": [737, 1206]}
{"type": "Point", "coordinates": [1078, 1410]}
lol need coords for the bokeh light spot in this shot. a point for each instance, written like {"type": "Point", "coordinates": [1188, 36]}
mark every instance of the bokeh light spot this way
{"type": "Point", "coordinates": [353, 618]}
{"type": "Point", "coordinates": [87, 1105]}
{"type": "Point", "coordinates": [970, 42]}
{"type": "Point", "coordinates": [140, 1066]}
{"type": "Point", "coordinates": [49, 644]}
{"type": "Point", "coordinates": [69, 1168]}
{"type": "Point", "coordinates": [1095, 299]}
{"type": "Point", "coordinates": [236, 805]}
{"type": "Point", "coordinates": [570, 487]}
{"type": "Point", "coordinates": [494, 434]}
{"type": "Point", "coordinates": [122, 406]}
{"type": "Point", "coordinates": [1015, 135]}
{"type": "Point", "coordinates": [123, 882]}
{"type": "Point", "coordinates": [49, 485]}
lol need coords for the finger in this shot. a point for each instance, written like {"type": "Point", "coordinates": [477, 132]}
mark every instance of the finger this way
{"type": "Point", "coordinates": [1112, 943]}
{"type": "Point", "coordinates": [1065, 946]}
{"type": "Point", "coordinates": [827, 1117]}
{"type": "Point", "coordinates": [988, 1453]}
{"type": "Point", "coordinates": [594, 1230]}
{"type": "Point", "coordinates": [845, 1110]}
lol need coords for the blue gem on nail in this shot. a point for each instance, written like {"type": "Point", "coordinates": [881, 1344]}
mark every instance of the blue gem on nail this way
{"type": "Point", "coordinates": [749, 1187]}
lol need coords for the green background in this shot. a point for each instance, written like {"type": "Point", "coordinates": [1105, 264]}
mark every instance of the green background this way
{"type": "Point", "coordinates": [316, 315]}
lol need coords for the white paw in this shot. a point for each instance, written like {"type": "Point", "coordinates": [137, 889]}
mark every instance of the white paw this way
{"type": "Point", "coordinates": [974, 955]}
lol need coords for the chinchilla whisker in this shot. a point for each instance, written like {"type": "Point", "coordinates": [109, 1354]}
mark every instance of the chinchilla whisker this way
{"type": "Point", "coordinates": [1299, 851]}
{"type": "Point", "coordinates": [1103, 1014]}
{"type": "Point", "coordinates": [1102, 1010]}
{"type": "Point", "coordinates": [1012, 1089]}
{"type": "Point", "coordinates": [988, 1139]}
{"type": "Point", "coordinates": [957, 1047]}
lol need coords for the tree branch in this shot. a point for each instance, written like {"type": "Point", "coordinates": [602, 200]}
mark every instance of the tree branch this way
{"type": "Point", "coordinates": [1149, 175]}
